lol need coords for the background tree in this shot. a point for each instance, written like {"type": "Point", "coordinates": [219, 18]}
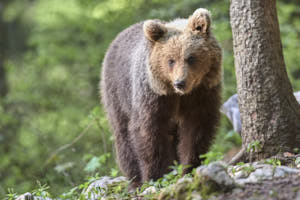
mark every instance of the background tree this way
{"type": "Point", "coordinates": [270, 113]}
{"type": "Point", "coordinates": [3, 46]}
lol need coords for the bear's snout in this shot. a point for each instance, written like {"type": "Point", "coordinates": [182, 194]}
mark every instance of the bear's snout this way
{"type": "Point", "coordinates": [179, 85]}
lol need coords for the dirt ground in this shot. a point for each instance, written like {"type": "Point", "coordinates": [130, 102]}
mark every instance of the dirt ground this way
{"type": "Point", "coordinates": [287, 188]}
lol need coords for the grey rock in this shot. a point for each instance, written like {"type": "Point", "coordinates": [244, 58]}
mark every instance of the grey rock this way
{"type": "Point", "coordinates": [26, 196]}
{"type": "Point", "coordinates": [297, 161]}
{"type": "Point", "coordinates": [217, 173]}
{"type": "Point", "coordinates": [297, 197]}
{"type": "Point", "coordinates": [42, 198]}
{"type": "Point", "coordinates": [256, 176]}
{"type": "Point", "coordinates": [184, 180]}
{"type": "Point", "coordinates": [231, 109]}
{"type": "Point", "coordinates": [96, 190]}
{"type": "Point", "coordinates": [29, 196]}
{"type": "Point", "coordinates": [282, 171]}
{"type": "Point", "coordinates": [149, 190]}
{"type": "Point", "coordinates": [196, 196]}
{"type": "Point", "coordinates": [260, 172]}
{"type": "Point", "coordinates": [237, 190]}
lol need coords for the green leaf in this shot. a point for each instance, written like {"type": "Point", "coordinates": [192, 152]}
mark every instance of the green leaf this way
{"type": "Point", "coordinates": [92, 165]}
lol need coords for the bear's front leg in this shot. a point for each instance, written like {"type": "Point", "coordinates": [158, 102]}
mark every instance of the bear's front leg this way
{"type": "Point", "coordinates": [196, 134]}
{"type": "Point", "coordinates": [152, 135]}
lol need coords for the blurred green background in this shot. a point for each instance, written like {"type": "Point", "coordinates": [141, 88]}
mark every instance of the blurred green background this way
{"type": "Point", "coordinates": [52, 127]}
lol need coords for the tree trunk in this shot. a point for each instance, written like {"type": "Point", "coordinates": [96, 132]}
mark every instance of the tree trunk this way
{"type": "Point", "coordinates": [3, 46]}
{"type": "Point", "coordinates": [270, 113]}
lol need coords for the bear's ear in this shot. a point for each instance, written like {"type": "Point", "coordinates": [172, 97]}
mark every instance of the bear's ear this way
{"type": "Point", "coordinates": [154, 30]}
{"type": "Point", "coordinates": [200, 21]}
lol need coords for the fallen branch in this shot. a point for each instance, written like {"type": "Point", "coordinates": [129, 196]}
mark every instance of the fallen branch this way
{"type": "Point", "coordinates": [68, 145]}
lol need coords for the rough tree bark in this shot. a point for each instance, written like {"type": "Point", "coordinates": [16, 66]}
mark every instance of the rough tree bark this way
{"type": "Point", "coordinates": [270, 113]}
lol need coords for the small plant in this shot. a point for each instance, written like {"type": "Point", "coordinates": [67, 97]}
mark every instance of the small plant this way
{"type": "Point", "coordinates": [296, 150]}
{"type": "Point", "coordinates": [248, 169]}
{"type": "Point", "coordinates": [72, 194]}
{"type": "Point", "coordinates": [234, 170]}
{"type": "Point", "coordinates": [244, 168]}
{"type": "Point", "coordinates": [96, 162]}
{"type": "Point", "coordinates": [166, 180]}
{"type": "Point", "coordinates": [273, 193]}
{"type": "Point", "coordinates": [11, 195]}
{"type": "Point", "coordinates": [254, 146]}
{"type": "Point", "coordinates": [240, 164]}
{"type": "Point", "coordinates": [41, 191]}
{"type": "Point", "coordinates": [118, 191]}
{"type": "Point", "coordinates": [273, 161]}
{"type": "Point", "coordinates": [114, 172]}
{"type": "Point", "coordinates": [210, 157]}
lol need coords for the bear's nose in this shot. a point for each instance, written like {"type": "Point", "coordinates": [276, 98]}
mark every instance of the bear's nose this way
{"type": "Point", "coordinates": [179, 84]}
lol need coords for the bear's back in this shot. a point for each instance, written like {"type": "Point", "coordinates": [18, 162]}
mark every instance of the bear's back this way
{"type": "Point", "coordinates": [116, 80]}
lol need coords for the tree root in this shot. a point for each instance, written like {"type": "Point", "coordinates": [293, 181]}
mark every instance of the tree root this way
{"type": "Point", "coordinates": [238, 157]}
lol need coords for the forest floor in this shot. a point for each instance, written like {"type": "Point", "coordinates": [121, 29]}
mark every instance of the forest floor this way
{"type": "Point", "coordinates": [270, 179]}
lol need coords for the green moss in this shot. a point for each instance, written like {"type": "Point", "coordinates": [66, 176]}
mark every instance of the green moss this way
{"type": "Point", "coordinates": [207, 188]}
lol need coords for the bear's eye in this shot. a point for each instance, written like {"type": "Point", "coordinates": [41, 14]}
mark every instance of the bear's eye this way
{"type": "Point", "coordinates": [191, 60]}
{"type": "Point", "coordinates": [171, 62]}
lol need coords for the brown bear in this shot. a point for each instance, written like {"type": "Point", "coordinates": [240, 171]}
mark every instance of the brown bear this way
{"type": "Point", "coordinates": [161, 88]}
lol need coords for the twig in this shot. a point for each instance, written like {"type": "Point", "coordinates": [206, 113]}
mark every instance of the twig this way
{"type": "Point", "coordinates": [238, 157]}
{"type": "Point", "coordinates": [68, 145]}
{"type": "Point", "coordinates": [102, 135]}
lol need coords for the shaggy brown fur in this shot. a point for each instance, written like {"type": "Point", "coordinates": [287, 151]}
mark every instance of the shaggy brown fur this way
{"type": "Point", "coordinates": [160, 86]}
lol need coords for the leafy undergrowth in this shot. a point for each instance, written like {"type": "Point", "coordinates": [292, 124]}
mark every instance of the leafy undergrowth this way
{"type": "Point", "coordinates": [171, 186]}
{"type": "Point", "coordinates": [199, 184]}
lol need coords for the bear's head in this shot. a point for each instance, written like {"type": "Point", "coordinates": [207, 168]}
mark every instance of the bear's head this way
{"type": "Point", "coordinates": [183, 54]}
